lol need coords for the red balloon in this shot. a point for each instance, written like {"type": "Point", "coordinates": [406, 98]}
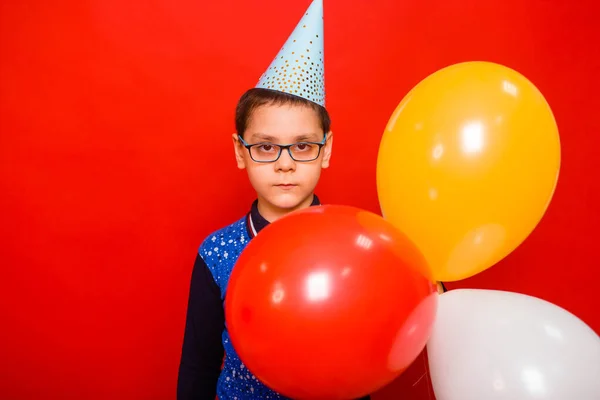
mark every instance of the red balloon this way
{"type": "Point", "coordinates": [331, 302]}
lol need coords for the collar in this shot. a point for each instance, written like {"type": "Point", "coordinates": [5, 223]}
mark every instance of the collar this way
{"type": "Point", "coordinates": [256, 222]}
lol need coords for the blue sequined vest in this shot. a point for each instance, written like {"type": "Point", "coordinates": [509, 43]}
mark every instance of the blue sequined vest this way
{"type": "Point", "coordinates": [220, 251]}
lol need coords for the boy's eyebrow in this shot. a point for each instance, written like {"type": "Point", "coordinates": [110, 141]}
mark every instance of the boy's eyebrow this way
{"type": "Point", "coordinates": [310, 137]}
{"type": "Point", "coordinates": [262, 136]}
{"type": "Point", "coordinates": [299, 138]}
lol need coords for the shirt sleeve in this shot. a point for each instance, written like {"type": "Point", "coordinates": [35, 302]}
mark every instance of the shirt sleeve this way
{"type": "Point", "coordinates": [202, 350]}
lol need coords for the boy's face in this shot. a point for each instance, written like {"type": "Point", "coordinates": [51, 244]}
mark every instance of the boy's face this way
{"type": "Point", "coordinates": [283, 185]}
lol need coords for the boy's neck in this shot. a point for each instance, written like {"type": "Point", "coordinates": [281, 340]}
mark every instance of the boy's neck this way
{"type": "Point", "coordinates": [272, 213]}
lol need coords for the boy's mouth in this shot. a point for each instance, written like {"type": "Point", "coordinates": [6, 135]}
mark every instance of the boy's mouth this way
{"type": "Point", "coordinates": [286, 185]}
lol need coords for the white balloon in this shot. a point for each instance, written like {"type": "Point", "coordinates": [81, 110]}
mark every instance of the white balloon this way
{"type": "Point", "coordinates": [489, 344]}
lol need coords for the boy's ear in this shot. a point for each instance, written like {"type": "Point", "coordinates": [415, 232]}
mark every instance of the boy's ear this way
{"type": "Point", "coordinates": [239, 149]}
{"type": "Point", "coordinates": [327, 150]}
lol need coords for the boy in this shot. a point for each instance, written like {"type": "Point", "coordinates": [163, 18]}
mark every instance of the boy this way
{"type": "Point", "coordinates": [284, 180]}
{"type": "Point", "coordinates": [283, 141]}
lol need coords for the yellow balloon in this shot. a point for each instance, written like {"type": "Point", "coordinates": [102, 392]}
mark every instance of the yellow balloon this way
{"type": "Point", "coordinates": [467, 166]}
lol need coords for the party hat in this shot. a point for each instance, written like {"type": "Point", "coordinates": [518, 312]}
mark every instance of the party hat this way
{"type": "Point", "coordinates": [298, 67]}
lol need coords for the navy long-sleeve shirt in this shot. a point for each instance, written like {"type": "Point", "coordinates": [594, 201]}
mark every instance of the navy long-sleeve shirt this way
{"type": "Point", "coordinates": [202, 352]}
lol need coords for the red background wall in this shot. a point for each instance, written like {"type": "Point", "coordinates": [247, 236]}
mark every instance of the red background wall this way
{"type": "Point", "coordinates": [115, 161]}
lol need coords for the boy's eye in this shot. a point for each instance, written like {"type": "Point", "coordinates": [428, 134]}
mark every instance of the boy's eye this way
{"type": "Point", "coordinates": [302, 146]}
{"type": "Point", "coordinates": [266, 148]}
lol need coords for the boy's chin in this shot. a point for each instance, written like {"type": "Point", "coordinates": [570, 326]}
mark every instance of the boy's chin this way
{"type": "Point", "coordinates": [287, 201]}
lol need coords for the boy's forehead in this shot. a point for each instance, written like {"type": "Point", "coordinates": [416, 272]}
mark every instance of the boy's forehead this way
{"type": "Point", "coordinates": [284, 124]}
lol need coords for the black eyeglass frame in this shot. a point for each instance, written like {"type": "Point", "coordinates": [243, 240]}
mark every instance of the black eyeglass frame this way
{"type": "Point", "coordinates": [281, 148]}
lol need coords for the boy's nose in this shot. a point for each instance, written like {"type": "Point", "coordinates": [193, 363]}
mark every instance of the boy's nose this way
{"type": "Point", "coordinates": [285, 162]}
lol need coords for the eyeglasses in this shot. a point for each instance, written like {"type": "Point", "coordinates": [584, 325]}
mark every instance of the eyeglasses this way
{"type": "Point", "coordinates": [268, 152]}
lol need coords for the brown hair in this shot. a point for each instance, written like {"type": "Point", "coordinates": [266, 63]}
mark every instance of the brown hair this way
{"type": "Point", "coordinates": [256, 97]}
